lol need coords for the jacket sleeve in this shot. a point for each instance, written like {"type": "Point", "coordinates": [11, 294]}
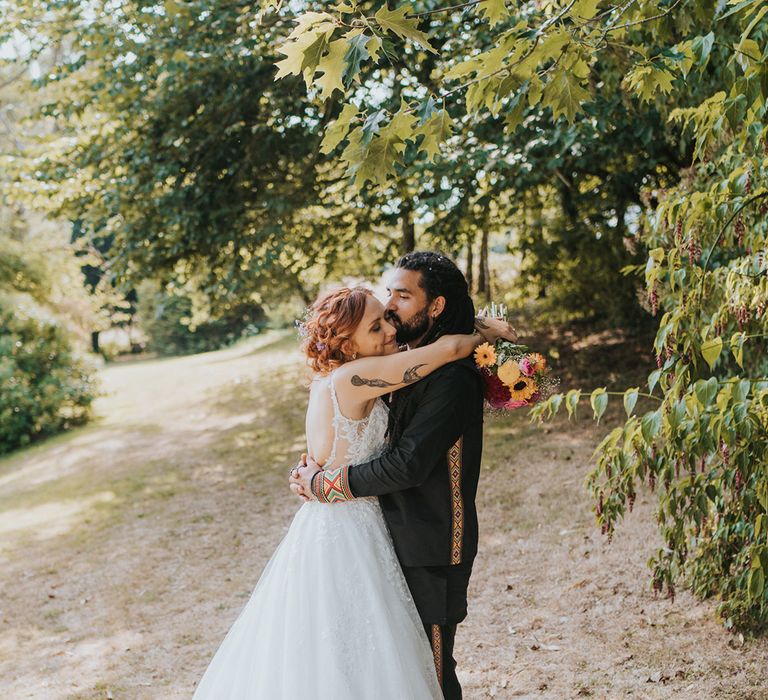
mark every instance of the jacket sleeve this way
{"type": "Point", "coordinates": [436, 425]}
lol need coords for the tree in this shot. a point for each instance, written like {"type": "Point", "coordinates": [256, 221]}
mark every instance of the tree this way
{"type": "Point", "coordinates": [699, 66]}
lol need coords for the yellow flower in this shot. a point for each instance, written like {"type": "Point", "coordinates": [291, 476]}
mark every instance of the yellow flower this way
{"type": "Point", "coordinates": [509, 372]}
{"type": "Point", "coordinates": [538, 361]}
{"type": "Point", "coordinates": [485, 355]}
{"type": "Point", "coordinates": [523, 388]}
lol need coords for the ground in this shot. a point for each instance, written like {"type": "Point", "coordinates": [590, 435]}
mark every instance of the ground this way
{"type": "Point", "coordinates": [129, 546]}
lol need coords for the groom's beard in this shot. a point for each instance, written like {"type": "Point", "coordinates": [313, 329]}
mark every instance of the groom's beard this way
{"type": "Point", "coordinates": [408, 331]}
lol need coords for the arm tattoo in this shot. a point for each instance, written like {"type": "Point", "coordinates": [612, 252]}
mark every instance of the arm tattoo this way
{"type": "Point", "coordinates": [410, 376]}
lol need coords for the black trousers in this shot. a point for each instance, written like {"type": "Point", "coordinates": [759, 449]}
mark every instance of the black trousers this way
{"type": "Point", "coordinates": [440, 594]}
{"type": "Point", "coordinates": [442, 638]}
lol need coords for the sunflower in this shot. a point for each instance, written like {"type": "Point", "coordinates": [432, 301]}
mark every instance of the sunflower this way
{"type": "Point", "coordinates": [523, 389]}
{"type": "Point", "coordinates": [538, 361]}
{"type": "Point", "coordinates": [485, 355]}
{"type": "Point", "coordinates": [509, 372]}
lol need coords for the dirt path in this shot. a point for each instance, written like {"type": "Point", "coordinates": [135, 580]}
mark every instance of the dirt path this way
{"type": "Point", "coordinates": [127, 549]}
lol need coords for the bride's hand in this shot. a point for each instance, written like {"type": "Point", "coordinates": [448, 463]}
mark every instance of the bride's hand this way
{"type": "Point", "coordinates": [494, 328]}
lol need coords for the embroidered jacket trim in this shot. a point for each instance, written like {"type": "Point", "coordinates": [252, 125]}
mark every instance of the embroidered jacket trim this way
{"type": "Point", "coordinates": [457, 501]}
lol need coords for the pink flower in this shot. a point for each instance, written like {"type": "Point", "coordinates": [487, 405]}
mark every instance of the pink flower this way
{"type": "Point", "coordinates": [526, 367]}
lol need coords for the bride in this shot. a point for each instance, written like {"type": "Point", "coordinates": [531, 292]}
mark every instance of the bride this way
{"type": "Point", "coordinates": [331, 617]}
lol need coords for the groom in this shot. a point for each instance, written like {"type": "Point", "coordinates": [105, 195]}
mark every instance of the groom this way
{"type": "Point", "coordinates": [427, 480]}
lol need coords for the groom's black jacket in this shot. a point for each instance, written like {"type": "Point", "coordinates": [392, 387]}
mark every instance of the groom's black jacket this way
{"type": "Point", "coordinates": [427, 480]}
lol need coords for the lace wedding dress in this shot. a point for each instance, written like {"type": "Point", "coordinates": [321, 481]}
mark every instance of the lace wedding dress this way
{"type": "Point", "coordinates": [331, 617]}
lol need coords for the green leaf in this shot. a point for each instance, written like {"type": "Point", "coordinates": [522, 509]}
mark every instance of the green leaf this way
{"type": "Point", "coordinates": [302, 54]}
{"type": "Point", "coordinates": [436, 130]}
{"type": "Point", "coordinates": [630, 399]}
{"type": "Point", "coordinates": [494, 10]}
{"type": "Point", "coordinates": [396, 22]}
{"type": "Point", "coordinates": [760, 14]}
{"type": "Point", "coordinates": [759, 524]}
{"type": "Point", "coordinates": [572, 401]}
{"type": "Point", "coordinates": [645, 79]}
{"type": "Point", "coordinates": [737, 348]}
{"type": "Point", "coordinates": [564, 94]}
{"type": "Point", "coordinates": [339, 129]}
{"type": "Point", "coordinates": [653, 379]}
{"type": "Point", "coordinates": [585, 9]}
{"type": "Point", "coordinates": [741, 390]}
{"type": "Point", "coordinates": [651, 425]}
{"type": "Point", "coordinates": [762, 495]}
{"type": "Point", "coordinates": [371, 125]}
{"type": "Point", "coordinates": [710, 350]}
{"type": "Point", "coordinates": [356, 54]}
{"type": "Point", "coordinates": [702, 47]}
{"type": "Point", "coordinates": [756, 583]}
{"type": "Point", "coordinates": [599, 402]}
{"type": "Point", "coordinates": [332, 67]}
{"type": "Point", "coordinates": [706, 391]}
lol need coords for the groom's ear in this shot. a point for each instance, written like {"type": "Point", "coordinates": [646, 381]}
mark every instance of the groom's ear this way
{"type": "Point", "coordinates": [436, 307]}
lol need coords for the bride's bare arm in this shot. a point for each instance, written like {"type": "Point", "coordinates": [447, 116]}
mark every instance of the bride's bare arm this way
{"type": "Point", "coordinates": [361, 380]}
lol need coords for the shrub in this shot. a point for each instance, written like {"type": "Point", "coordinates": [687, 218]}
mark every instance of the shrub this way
{"type": "Point", "coordinates": [45, 386]}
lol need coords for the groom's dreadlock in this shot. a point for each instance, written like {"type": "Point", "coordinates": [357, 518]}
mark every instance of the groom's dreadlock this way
{"type": "Point", "coordinates": [439, 277]}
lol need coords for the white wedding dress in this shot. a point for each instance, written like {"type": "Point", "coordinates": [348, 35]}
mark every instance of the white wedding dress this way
{"type": "Point", "coordinates": [331, 617]}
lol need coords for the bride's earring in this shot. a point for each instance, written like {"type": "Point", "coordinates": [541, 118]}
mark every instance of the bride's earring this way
{"type": "Point", "coordinates": [354, 355]}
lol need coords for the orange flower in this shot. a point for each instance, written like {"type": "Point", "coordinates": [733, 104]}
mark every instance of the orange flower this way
{"type": "Point", "coordinates": [523, 388]}
{"type": "Point", "coordinates": [538, 361]}
{"type": "Point", "coordinates": [485, 355]}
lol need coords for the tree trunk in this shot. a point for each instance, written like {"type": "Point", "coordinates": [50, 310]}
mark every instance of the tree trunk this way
{"type": "Point", "coordinates": [470, 264]}
{"type": "Point", "coordinates": [484, 271]}
{"type": "Point", "coordinates": [408, 242]}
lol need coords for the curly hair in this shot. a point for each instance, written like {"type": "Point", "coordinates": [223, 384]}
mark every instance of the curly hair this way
{"type": "Point", "coordinates": [330, 323]}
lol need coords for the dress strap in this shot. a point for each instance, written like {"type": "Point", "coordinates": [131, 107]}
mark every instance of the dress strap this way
{"type": "Point", "coordinates": [334, 400]}
{"type": "Point", "coordinates": [336, 418]}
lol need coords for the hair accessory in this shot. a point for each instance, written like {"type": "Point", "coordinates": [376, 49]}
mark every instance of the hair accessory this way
{"type": "Point", "coordinates": [320, 346]}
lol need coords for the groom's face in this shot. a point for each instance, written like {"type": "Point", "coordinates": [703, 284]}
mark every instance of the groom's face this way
{"type": "Point", "coordinates": [407, 309]}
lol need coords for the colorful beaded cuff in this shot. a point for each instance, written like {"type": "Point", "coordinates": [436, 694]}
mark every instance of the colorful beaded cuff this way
{"type": "Point", "coordinates": [331, 485]}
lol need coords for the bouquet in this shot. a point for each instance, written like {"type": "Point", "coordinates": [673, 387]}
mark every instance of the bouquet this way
{"type": "Point", "coordinates": [513, 377]}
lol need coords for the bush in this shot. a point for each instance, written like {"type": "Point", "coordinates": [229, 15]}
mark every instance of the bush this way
{"type": "Point", "coordinates": [167, 320]}
{"type": "Point", "coordinates": [45, 386]}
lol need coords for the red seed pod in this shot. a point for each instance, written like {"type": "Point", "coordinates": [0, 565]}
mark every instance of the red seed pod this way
{"type": "Point", "coordinates": [678, 232]}
{"type": "Point", "coordinates": [658, 361]}
{"type": "Point", "coordinates": [738, 482]}
{"type": "Point", "coordinates": [631, 500]}
{"type": "Point", "coordinates": [600, 504]}
{"type": "Point", "coordinates": [658, 585]}
{"type": "Point", "coordinates": [748, 182]}
{"type": "Point", "coordinates": [651, 480]}
{"type": "Point", "coordinates": [671, 592]}
{"type": "Point", "coordinates": [725, 452]}
{"type": "Point", "coordinates": [739, 229]}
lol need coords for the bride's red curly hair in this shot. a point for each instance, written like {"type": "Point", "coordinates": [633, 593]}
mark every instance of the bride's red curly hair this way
{"type": "Point", "coordinates": [331, 321]}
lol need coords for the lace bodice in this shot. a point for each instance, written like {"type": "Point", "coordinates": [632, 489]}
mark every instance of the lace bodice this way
{"type": "Point", "coordinates": [356, 441]}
